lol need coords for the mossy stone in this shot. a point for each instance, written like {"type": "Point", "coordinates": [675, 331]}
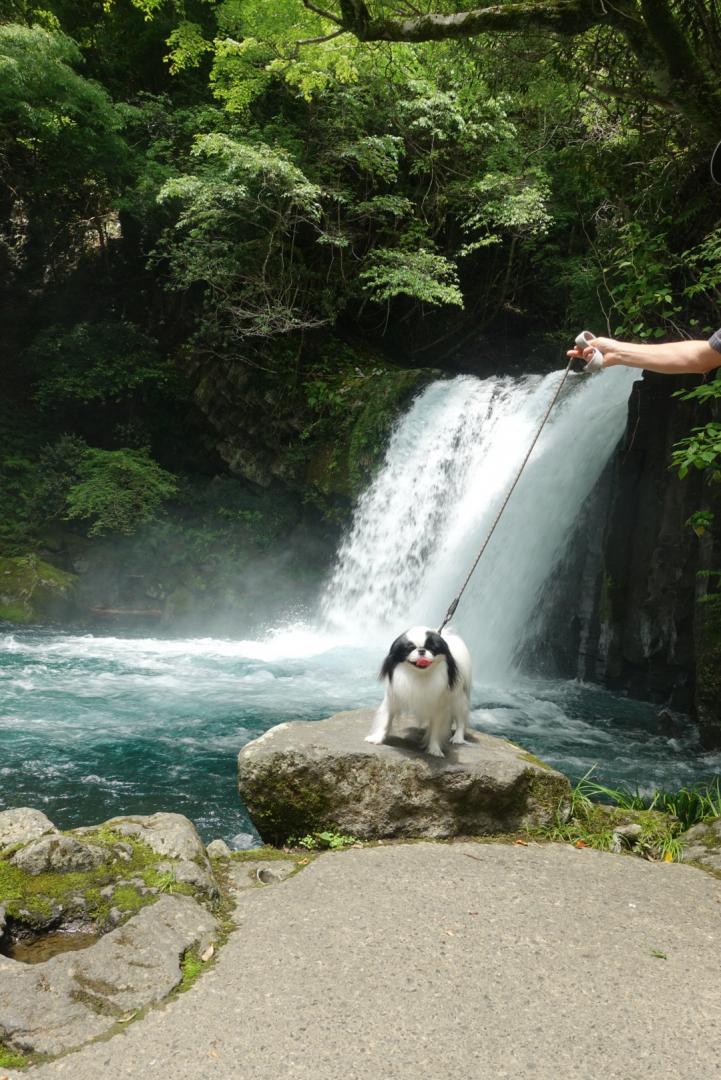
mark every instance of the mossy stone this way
{"type": "Point", "coordinates": [33, 591]}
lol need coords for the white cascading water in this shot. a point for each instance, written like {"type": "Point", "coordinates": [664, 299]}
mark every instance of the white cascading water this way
{"type": "Point", "coordinates": [449, 463]}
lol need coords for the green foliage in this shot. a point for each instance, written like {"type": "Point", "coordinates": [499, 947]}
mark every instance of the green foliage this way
{"type": "Point", "coordinates": [378, 156]}
{"type": "Point", "coordinates": [639, 280]}
{"type": "Point", "coordinates": [165, 881]}
{"type": "Point", "coordinates": [256, 47]}
{"type": "Point", "coordinates": [700, 521]}
{"type": "Point", "coordinates": [60, 120]}
{"type": "Point", "coordinates": [191, 966]}
{"type": "Point", "coordinates": [322, 841]}
{"type": "Point", "coordinates": [11, 1060]}
{"type": "Point", "coordinates": [60, 143]}
{"type": "Point", "coordinates": [118, 490]}
{"type": "Point", "coordinates": [420, 274]}
{"type": "Point", "coordinates": [235, 233]}
{"type": "Point", "coordinates": [500, 205]}
{"type": "Point", "coordinates": [94, 363]}
{"type": "Point", "coordinates": [702, 802]}
{"type": "Point", "coordinates": [602, 827]}
{"type": "Point", "coordinates": [704, 262]}
{"type": "Point", "coordinates": [688, 805]}
{"type": "Point", "coordinates": [19, 434]}
{"type": "Point", "coordinates": [700, 450]}
{"type": "Point", "coordinates": [188, 46]}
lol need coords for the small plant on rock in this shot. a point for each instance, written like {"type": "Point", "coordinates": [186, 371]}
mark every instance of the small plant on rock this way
{"type": "Point", "coordinates": [323, 841]}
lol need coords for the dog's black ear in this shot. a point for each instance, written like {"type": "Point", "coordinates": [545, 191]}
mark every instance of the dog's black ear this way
{"type": "Point", "coordinates": [397, 653]}
{"type": "Point", "coordinates": [386, 671]}
{"type": "Point", "coordinates": [439, 646]}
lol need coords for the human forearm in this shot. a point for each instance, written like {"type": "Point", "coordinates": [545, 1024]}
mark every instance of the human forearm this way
{"type": "Point", "coordinates": [675, 358]}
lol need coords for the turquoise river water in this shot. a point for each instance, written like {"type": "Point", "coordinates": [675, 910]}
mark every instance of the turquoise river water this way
{"type": "Point", "coordinates": [93, 726]}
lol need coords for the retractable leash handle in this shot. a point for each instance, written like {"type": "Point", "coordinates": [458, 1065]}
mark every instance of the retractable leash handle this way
{"type": "Point", "coordinates": [596, 361]}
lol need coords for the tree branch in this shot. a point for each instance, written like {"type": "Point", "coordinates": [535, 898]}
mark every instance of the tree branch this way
{"type": "Point", "coordinates": [321, 38]}
{"type": "Point", "coordinates": [325, 14]}
{"type": "Point", "coordinates": [561, 16]}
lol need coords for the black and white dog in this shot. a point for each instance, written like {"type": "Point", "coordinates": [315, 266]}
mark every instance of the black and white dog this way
{"type": "Point", "coordinates": [427, 676]}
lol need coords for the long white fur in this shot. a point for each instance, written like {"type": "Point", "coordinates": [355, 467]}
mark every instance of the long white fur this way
{"type": "Point", "coordinates": [425, 695]}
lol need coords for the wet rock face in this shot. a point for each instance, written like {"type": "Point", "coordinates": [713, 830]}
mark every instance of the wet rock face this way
{"type": "Point", "coordinates": [34, 591]}
{"type": "Point", "coordinates": [304, 777]}
{"type": "Point", "coordinates": [644, 630]}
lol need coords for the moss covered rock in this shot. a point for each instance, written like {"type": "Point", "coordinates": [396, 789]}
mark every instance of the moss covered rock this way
{"type": "Point", "coordinates": [302, 778]}
{"type": "Point", "coordinates": [34, 591]}
{"type": "Point", "coordinates": [140, 895]}
{"type": "Point", "coordinates": [347, 445]}
{"type": "Point", "coordinates": [94, 878]}
{"type": "Point", "coordinates": [702, 844]}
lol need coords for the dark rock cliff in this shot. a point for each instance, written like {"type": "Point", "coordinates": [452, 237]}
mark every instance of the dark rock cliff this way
{"type": "Point", "coordinates": [649, 626]}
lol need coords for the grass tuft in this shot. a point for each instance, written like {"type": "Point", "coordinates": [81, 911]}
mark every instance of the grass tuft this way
{"type": "Point", "coordinates": [690, 805]}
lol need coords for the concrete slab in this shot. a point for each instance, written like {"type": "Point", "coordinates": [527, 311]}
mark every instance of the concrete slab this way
{"type": "Point", "coordinates": [447, 962]}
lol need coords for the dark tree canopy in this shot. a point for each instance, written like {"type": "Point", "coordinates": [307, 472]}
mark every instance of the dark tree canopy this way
{"type": "Point", "coordinates": [676, 44]}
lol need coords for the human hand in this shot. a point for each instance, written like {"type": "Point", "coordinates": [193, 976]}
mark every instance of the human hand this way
{"type": "Point", "coordinates": [606, 346]}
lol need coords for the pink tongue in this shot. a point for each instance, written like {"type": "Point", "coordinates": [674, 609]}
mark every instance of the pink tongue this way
{"type": "Point", "coordinates": [422, 662]}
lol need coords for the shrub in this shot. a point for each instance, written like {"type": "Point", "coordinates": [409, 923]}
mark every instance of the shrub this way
{"type": "Point", "coordinates": [118, 490]}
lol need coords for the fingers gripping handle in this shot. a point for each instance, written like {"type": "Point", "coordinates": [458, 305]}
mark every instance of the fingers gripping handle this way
{"type": "Point", "coordinates": [596, 361]}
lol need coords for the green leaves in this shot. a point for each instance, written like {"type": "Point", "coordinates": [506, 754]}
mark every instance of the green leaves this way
{"type": "Point", "coordinates": [55, 125]}
{"type": "Point", "coordinates": [235, 235]}
{"type": "Point", "coordinates": [499, 205]}
{"type": "Point", "coordinates": [94, 363]}
{"type": "Point", "coordinates": [117, 490]}
{"type": "Point", "coordinates": [639, 280]}
{"type": "Point", "coordinates": [420, 274]}
{"type": "Point", "coordinates": [700, 450]}
{"type": "Point", "coordinates": [377, 155]}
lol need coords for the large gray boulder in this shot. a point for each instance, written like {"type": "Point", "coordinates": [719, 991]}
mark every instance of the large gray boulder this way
{"type": "Point", "coordinates": [304, 777]}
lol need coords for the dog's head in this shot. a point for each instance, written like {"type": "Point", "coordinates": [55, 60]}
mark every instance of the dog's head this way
{"type": "Point", "coordinates": [421, 648]}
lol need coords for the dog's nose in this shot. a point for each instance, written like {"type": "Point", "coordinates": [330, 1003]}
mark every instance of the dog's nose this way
{"type": "Point", "coordinates": [421, 652]}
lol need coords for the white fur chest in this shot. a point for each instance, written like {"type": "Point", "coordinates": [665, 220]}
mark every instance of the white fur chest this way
{"type": "Point", "coordinates": [422, 693]}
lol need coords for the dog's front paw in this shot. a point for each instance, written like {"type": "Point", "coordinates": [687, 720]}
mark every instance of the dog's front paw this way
{"type": "Point", "coordinates": [377, 740]}
{"type": "Point", "coordinates": [434, 749]}
{"type": "Point", "coordinates": [459, 738]}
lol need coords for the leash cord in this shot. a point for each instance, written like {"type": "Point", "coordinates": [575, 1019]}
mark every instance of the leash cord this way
{"type": "Point", "coordinates": [454, 604]}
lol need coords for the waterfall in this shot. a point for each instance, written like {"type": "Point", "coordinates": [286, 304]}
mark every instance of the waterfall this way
{"type": "Point", "coordinates": [449, 462]}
